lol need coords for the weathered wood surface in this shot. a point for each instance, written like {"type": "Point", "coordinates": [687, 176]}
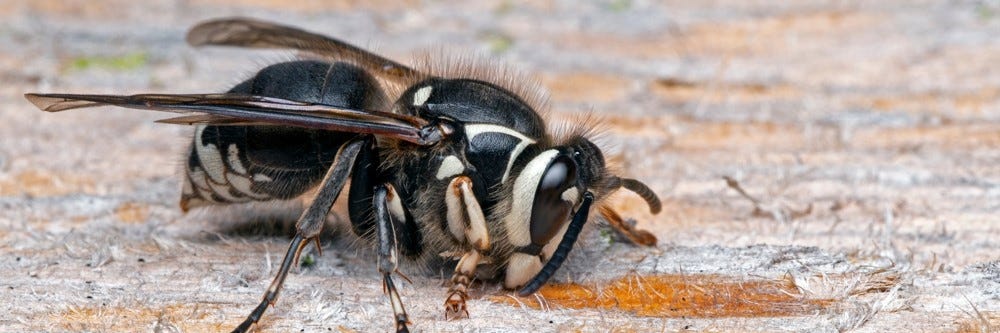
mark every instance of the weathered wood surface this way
{"type": "Point", "coordinates": [868, 131]}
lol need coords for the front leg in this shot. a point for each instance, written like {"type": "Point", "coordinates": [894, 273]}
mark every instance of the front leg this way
{"type": "Point", "coordinates": [389, 205]}
{"type": "Point", "coordinates": [308, 227]}
{"type": "Point", "coordinates": [465, 271]}
{"type": "Point", "coordinates": [466, 222]}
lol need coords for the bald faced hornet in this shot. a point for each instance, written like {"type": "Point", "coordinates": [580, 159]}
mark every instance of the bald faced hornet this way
{"type": "Point", "coordinates": [458, 164]}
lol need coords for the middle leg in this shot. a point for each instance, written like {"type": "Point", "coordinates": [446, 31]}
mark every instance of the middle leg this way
{"type": "Point", "coordinates": [389, 206]}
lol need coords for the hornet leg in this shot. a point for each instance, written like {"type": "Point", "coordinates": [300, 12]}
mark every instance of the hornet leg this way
{"type": "Point", "coordinates": [466, 222]}
{"type": "Point", "coordinates": [308, 227]}
{"type": "Point", "coordinates": [388, 206]}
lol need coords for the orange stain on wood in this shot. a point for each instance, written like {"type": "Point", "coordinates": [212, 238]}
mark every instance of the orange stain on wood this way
{"type": "Point", "coordinates": [586, 87]}
{"type": "Point", "coordinates": [699, 296]}
{"type": "Point", "coordinates": [43, 184]}
{"type": "Point", "coordinates": [312, 5]}
{"type": "Point", "coordinates": [971, 135]}
{"type": "Point", "coordinates": [740, 136]}
{"type": "Point", "coordinates": [760, 36]}
{"type": "Point", "coordinates": [681, 91]}
{"type": "Point", "coordinates": [176, 317]}
{"type": "Point", "coordinates": [961, 103]}
{"type": "Point", "coordinates": [132, 213]}
{"type": "Point", "coordinates": [980, 322]}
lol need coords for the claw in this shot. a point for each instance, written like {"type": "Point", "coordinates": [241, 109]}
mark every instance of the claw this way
{"type": "Point", "coordinates": [454, 307]}
{"type": "Point", "coordinates": [319, 249]}
{"type": "Point", "coordinates": [400, 274]}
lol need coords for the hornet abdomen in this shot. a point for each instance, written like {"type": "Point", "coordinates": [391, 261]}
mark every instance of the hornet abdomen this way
{"type": "Point", "coordinates": [234, 164]}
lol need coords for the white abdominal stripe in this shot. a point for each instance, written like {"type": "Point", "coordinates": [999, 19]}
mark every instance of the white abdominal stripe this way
{"type": "Point", "coordinates": [215, 181]}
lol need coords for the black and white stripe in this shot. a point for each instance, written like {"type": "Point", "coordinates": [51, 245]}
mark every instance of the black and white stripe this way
{"type": "Point", "coordinates": [216, 178]}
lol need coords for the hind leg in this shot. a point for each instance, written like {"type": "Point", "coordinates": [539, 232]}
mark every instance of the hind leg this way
{"type": "Point", "coordinates": [308, 228]}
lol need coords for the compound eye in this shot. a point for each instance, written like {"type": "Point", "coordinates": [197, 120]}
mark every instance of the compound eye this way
{"type": "Point", "coordinates": [551, 207]}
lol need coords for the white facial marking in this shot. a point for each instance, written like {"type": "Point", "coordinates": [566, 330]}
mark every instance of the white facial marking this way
{"type": "Point", "coordinates": [472, 130]}
{"type": "Point", "coordinates": [234, 160]}
{"type": "Point", "coordinates": [261, 178]}
{"type": "Point", "coordinates": [422, 95]}
{"type": "Point", "coordinates": [571, 195]}
{"type": "Point", "coordinates": [519, 220]}
{"type": "Point", "coordinates": [450, 166]}
{"type": "Point", "coordinates": [520, 269]}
